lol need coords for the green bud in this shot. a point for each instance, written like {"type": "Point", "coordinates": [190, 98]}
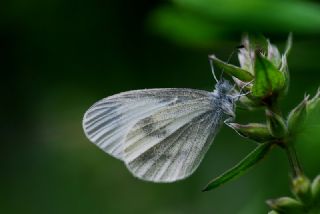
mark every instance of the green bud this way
{"type": "Point", "coordinates": [232, 70]}
{"type": "Point", "coordinates": [269, 81]}
{"type": "Point", "coordinates": [255, 131]}
{"type": "Point", "coordinates": [273, 212]}
{"type": "Point", "coordinates": [276, 124]}
{"type": "Point", "coordinates": [301, 188]}
{"type": "Point", "coordinates": [297, 116]}
{"type": "Point", "coordinates": [286, 205]}
{"type": "Point", "coordinates": [315, 190]}
{"type": "Point", "coordinates": [314, 103]}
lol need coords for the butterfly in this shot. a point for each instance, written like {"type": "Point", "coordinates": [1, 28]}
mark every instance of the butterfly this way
{"type": "Point", "coordinates": [161, 135]}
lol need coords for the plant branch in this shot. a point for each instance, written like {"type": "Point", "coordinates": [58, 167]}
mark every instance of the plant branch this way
{"type": "Point", "coordinates": [293, 161]}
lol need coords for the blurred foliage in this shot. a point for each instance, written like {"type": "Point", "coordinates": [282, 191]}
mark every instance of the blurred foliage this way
{"type": "Point", "coordinates": [57, 57]}
{"type": "Point", "coordinates": [196, 22]}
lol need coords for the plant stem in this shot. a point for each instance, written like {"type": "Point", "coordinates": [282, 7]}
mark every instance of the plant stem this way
{"type": "Point", "coordinates": [296, 169]}
{"type": "Point", "coordinates": [293, 161]}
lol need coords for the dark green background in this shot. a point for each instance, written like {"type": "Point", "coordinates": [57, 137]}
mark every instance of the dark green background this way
{"type": "Point", "coordinates": [60, 56]}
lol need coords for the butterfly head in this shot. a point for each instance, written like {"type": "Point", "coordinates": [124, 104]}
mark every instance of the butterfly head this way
{"type": "Point", "coordinates": [226, 94]}
{"type": "Point", "coordinates": [224, 87]}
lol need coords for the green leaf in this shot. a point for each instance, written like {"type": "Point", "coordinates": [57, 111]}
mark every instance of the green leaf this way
{"type": "Point", "coordinates": [249, 161]}
{"type": "Point", "coordinates": [268, 79]}
{"type": "Point", "coordinates": [232, 70]}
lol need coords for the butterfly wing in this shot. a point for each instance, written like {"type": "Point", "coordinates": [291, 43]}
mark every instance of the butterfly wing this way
{"type": "Point", "coordinates": [161, 134]}
{"type": "Point", "coordinates": [170, 144]}
{"type": "Point", "coordinates": [108, 121]}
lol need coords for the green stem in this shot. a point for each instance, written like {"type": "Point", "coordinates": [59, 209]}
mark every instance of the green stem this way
{"type": "Point", "coordinates": [296, 169]}
{"type": "Point", "coordinates": [293, 161]}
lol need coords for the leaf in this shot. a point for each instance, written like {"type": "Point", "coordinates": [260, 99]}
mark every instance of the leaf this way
{"type": "Point", "coordinates": [232, 70]}
{"type": "Point", "coordinates": [249, 161]}
{"type": "Point", "coordinates": [268, 79]}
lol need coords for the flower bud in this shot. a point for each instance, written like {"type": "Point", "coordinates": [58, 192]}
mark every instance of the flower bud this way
{"type": "Point", "coordinates": [273, 212]}
{"type": "Point", "coordinates": [301, 188]}
{"type": "Point", "coordinates": [315, 190]}
{"type": "Point", "coordinates": [314, 103]}
{"type": "Point", "coordinates": [276, 124]}
{"type": "Point", "coordinates": [255, 131]}
{"type": "Point", "coordinates": [297, 116]}
{"type": "Point", "coordinates": [286, 205]}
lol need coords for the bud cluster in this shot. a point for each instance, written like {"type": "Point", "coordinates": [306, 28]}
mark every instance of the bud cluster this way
{"type": "Point", "coordinates": [263, 79]}
{"type": "Point", "coordinates": [306, 201]}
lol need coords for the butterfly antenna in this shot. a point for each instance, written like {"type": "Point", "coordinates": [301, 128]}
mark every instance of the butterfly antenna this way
{"type": "Point", "coordinates": [234, 87]}
{"type": "Point", "coordinates": [245, 85]}
{"type": "Point", "coordinates": [231, 55]}
{"type": "Point", "coordinates": [212, 69]}
{"type": "Point", "coordinates": [228, 60]}
{"type": "Point", "coordinates": [241, 89]}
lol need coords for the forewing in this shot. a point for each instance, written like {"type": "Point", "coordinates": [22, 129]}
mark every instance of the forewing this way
{"type": "Point", "coordinates": [109, 120]}
{"type": "Point", "coordinates": [169, 145]}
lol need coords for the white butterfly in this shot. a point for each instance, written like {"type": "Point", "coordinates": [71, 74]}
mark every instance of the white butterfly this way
{"type": "Point", "coordinates": [160, 134]}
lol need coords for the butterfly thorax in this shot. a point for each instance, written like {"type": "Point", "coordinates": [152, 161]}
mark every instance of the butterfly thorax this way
{"type": "Point", "coordinates": [223, 99]}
